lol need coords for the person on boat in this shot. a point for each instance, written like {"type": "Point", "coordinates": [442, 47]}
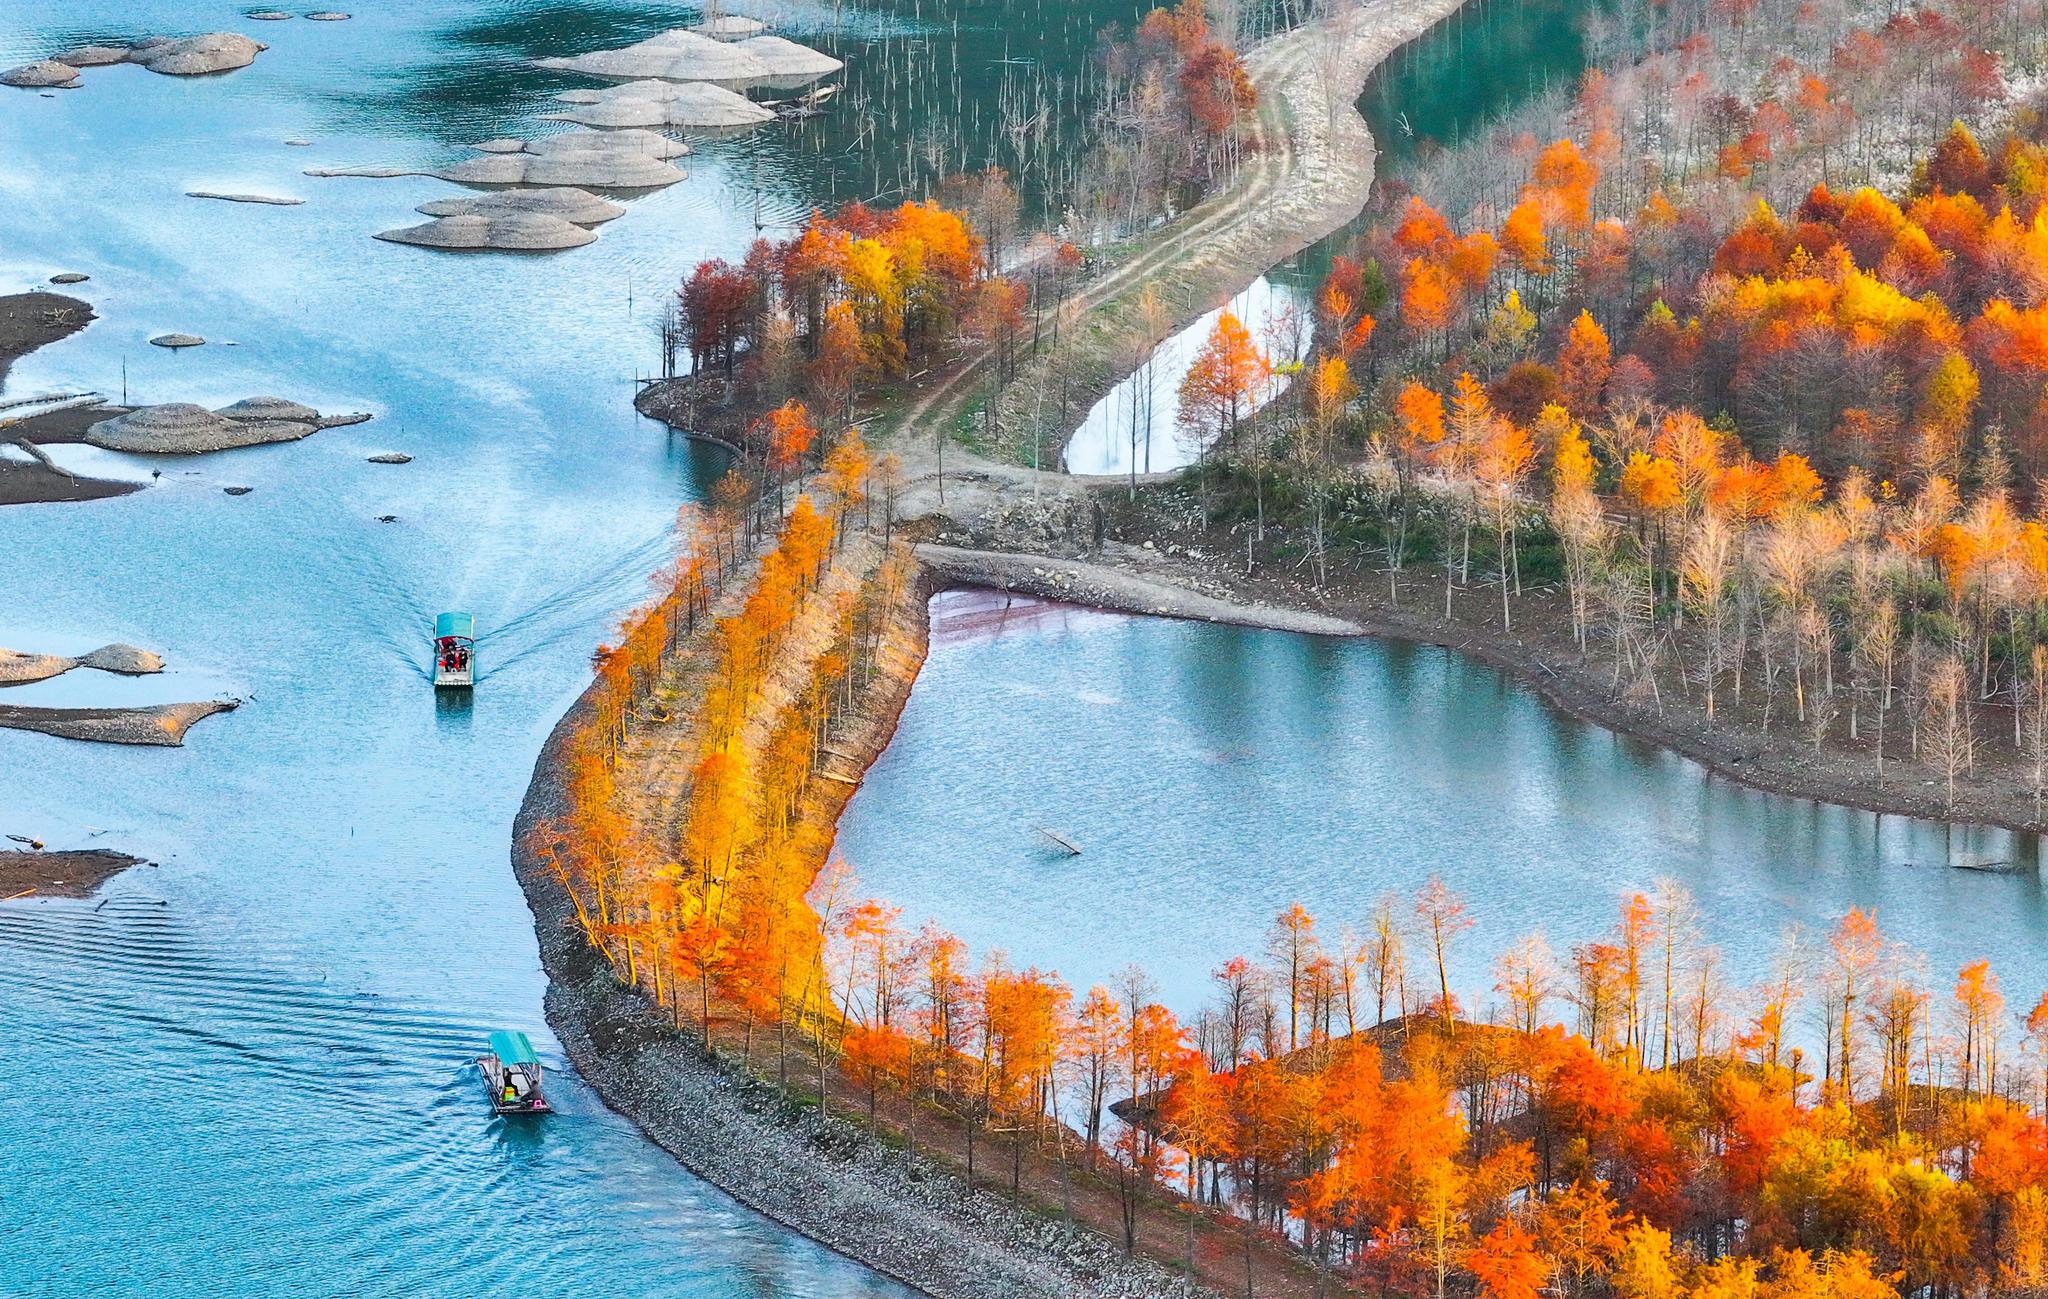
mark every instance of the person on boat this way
{"type": "Point", "coordinates": [511, 1091]}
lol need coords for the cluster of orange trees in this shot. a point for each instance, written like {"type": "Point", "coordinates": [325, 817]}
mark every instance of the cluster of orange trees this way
{"type": "Point", "coordinates": [1777, 433]}
{"type": "Point", "coordinates": [1663, 1145]}
{"type": "Point", "coordinates": [714, 901]}
{"type": "Point", "coordinates": [1335, 1097]}
{"type": "Point", "coordinates": [854, 297]}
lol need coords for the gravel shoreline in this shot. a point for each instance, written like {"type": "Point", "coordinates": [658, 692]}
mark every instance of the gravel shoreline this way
{"type": "Point", "coordinates": [1128, 579]}
{"type": "Point", "coordinates": [826, 1178]}
{"type": "Point", "coordinates": [1101, 586]}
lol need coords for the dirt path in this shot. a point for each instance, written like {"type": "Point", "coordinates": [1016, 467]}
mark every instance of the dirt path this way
{"type": "Point", "coordinates": [1312, 172]}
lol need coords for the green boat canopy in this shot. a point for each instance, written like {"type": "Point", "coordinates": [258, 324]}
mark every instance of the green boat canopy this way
{"type": "Point", "coordinates": [511, 1047]}
{"type": "Point", "coordinates": [455, 624]}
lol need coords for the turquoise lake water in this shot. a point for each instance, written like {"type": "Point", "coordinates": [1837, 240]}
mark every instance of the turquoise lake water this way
{"type": "Point", "coordinates": [1215, 775]}
{"type": "Point", "coordinates": [242, 1071]}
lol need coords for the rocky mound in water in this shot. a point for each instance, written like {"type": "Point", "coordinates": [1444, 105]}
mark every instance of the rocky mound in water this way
{"type": "Point", "coordinates": [619, 160]}
{"type": "Point", "coordinates": [180, 428]}
{"type": "Point", "coordinates": [196, 56]}
{"type": "Point", "coordinates": [680, 55]}
{"type": "Point", "coordinates": [565, 202]}
{"type": "Point", "coordinates": [43, 74]}
{"type": "Point", "coordinates": [173, 56]}
{"type": "Point", "coordinates": [175, 341]}
{"type": "Point", "coordinates": [695, 105]}
{"type": "Point", "coordinates": [94, 56]}
{"type": "Point", "coordinates": [789, 63]}
{"type": "Point", "coordinates": [128, 660]}
{"type": "Point", "coordinates": [20, 669]}
{"type": "Point", "coordinates": [515, 232]}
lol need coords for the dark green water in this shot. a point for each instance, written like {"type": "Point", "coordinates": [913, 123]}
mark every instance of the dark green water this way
{"type": "Point", "coordinates": [1452, 82]}
{"type": "Point", "coordinates": [1465, 74]}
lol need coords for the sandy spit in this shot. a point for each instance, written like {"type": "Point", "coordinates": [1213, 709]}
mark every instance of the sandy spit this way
{"type": "Point", "coordinates": [1103, 587]}
{"type": "Point", "coordinates": [158, 724]}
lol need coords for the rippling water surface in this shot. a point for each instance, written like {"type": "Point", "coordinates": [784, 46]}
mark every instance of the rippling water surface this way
{"type": "Point", "coordinates": [1214, 775]}
{"type": "Point", "coordinates": [242, 1070]}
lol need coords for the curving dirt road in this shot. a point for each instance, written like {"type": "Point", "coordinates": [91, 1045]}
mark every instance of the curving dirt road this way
{"type": "Point", "coordinates": [1311, 173]}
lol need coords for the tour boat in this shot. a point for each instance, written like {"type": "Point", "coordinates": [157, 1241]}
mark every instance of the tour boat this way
{"type": "Point", "coordinates": [455, 651]}
{"type": "Point", "coordinates": [512, 1074]}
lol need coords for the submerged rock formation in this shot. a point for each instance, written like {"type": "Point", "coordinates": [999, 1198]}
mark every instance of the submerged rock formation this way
{"type": "Point", "coordinates": [565, 201]}
{"type": "Point", "coordinates": [41, 74]}
{"type": "Point", "coordinates": [181, 428]}
{"type": "Point", "coordinates": [695, 105]}
{"type": "Point", "coordinates": [514, 232]}
{"type": "Point", "coordinates": [270, 199]}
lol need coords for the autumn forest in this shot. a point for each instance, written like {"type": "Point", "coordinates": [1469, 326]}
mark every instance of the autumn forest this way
{"type": "Point", "coordinates": [1729, 361]}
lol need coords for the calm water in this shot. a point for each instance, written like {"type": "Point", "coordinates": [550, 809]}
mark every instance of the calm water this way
{"type": "Point", "coordinates": [258, 1046]}
{"type": "Point", "coordinates": [1214, 775]}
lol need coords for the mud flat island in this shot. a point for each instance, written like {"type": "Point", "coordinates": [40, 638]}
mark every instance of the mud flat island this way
{"type": "Point", "coordinates": [59, 873]}
{"type": "Point", "coordinates": [19, 669]}
{"type": "Point", "coordinates": [179, 56]}
{"type": "Point", "coordinates": [156, 725]}
{"type": "Point", "coordinates": [37, 319]}
{"type": "Point", "coordinates": [29, 321]}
